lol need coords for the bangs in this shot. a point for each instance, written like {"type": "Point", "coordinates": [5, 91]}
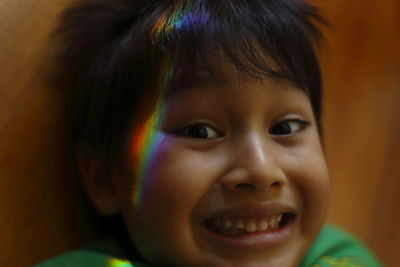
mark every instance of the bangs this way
{"type": "Point", "coordinates": [258, 38]}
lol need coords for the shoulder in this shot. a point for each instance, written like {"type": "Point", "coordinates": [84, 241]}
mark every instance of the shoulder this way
{"type": "Point", "coordinates": [98, 254]}
{"type": "Point", "coordinates": [335, 247]}
{"type": "Point", "coordinates": [85, 258]}
{"type": "Point", "coordinates": [78, 258]}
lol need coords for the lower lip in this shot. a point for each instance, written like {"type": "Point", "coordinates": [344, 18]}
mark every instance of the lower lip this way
{"type": "Point", "coordinates": [251, 241]}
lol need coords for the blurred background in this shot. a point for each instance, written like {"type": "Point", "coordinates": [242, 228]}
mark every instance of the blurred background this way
{"type": "Point", "coordinates": [42, 211]}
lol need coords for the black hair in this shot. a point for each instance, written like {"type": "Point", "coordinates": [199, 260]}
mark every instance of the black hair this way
{"type": "Point", "coordinates": [110, 54]}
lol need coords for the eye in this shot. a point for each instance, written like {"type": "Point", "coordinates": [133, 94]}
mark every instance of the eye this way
{"type": "Point", "coordinates": [288, 127]}
{"type": "Point", "coordinates": [200, 131]}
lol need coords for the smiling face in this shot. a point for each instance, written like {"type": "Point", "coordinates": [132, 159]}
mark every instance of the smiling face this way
{"type": "Point", "coordinates": [226, 172]}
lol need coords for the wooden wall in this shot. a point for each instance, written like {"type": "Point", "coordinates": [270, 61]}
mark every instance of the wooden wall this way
{"type": "Point", "coordinates": [41, 209]}
{"type": "Point", "coordinates": [362, 120]}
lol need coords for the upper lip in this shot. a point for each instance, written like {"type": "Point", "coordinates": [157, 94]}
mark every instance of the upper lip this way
{"type": "Point", "coordinates": [258, 210]}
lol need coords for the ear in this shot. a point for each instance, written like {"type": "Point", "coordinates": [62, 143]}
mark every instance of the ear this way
{"type": "Point", "coordinates": [103, 194]}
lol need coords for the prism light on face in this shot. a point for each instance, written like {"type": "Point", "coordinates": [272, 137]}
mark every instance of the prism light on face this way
{"type": "Point", "coordinates": [141, 147]}
{"type": "Point", "coordinates": [145, 135]}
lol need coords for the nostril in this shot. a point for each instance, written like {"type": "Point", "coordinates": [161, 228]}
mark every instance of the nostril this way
{"type": "Point", "coordinates": [275, 184]}
{"type": "Point", "coordinates": [250, 186]}
{"type": "Point", "coordinates": [245, 186]}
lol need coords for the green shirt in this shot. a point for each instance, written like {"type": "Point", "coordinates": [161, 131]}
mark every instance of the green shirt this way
{"type": "Point", "coordinates": [332, 248]}
{"type": "Point", "coordinates": [335, 248]}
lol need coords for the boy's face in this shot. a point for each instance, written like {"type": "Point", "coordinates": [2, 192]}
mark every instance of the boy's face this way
{"type": "Point", "coordinates": [226, 172]}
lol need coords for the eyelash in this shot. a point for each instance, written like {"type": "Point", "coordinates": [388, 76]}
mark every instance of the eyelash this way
{"type": "Point", "coordinates": [186, 131]}
{"type": "Point", "coordinates": [282, 128]}
{"type": "Point", "coordinates": [301, 125]}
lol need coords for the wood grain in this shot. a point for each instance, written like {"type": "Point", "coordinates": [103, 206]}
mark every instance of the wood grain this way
{"type": "Point", "coordinates": [41, 211]}
{"type": "Point", "coordinates": [361, 119]}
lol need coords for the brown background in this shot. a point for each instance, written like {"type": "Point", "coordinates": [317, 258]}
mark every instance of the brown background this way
{"type": "Point", "coordinates": [41, 210]}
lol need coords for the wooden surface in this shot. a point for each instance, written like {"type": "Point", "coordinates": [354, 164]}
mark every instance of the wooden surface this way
{"type": "Point", "coordinates": [39, 207]}
{"type": "Point", "coordinates": [362, 120]}
{"type": "Point", "coordinates": [41, 213]}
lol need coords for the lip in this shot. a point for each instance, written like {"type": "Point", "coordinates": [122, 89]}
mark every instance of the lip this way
{"type": "Point", "coordinates": [252, 210]}
{"type": "Point", "coordinates": [255, 240]}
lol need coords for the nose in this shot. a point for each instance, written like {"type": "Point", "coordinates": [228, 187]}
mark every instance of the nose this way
{"type": "Point", "coordinates": [254, 166]}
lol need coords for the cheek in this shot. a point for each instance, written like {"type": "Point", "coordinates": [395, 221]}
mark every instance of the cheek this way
{"type": "Point", "coordinates": [311, 180]}
{"type": "Point", "coordinates": [175, 175]}
{"type": "Point", "coordinates": [172, 183]}
{"type": "Point", "coordinates": [169, 176]}
{"type": "Point", "coordinates": [310, 166]}
{"type": "Point", "coordinates": [316, 187]}
{"type": "Point", "coordinates": [314, 178]}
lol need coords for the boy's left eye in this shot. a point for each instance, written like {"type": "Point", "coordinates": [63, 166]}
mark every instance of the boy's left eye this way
{"type": "Point", "coordinates": [288, 127]}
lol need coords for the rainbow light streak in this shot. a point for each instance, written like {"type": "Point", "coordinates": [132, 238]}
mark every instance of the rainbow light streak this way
{"type": "Point", "coordinates": [143, 143]}
{"type": "Point", "coordinates": [114, 262]}
{"type": "Point", "coordinates": [146, 136]}
{"type": "Point", "coordinates": [184, 16]}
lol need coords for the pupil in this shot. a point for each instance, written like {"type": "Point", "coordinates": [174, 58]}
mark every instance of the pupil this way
{"type": "Point", "coordinates": [198, 132]}
{"type": "Point", "coordinates": [282, 128]}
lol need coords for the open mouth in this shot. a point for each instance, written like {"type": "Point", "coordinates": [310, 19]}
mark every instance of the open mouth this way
{"type": "Point", "coordinates": [236, 226]}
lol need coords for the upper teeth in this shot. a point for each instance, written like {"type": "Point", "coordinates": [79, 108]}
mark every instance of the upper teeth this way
{"type": "Point", "coordinates": [248, 225]}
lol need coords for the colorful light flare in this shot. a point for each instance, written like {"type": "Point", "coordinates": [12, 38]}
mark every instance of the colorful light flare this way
{"type": "Point", "coordinates": [114, 262]}
{"type": "Point", "coordinates": [146, 135]}
{"type": "Point", "coordinates": [185, 15]}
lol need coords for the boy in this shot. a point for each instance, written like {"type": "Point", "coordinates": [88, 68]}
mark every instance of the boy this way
{"type": "Point", "coordinates": [198, 122]}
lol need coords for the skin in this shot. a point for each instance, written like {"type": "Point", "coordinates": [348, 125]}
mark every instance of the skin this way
{"type": "Point", "coordinates": [244, 162]}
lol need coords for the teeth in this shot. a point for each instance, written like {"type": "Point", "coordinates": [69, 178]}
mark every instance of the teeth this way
{"type": "Point", "coordinates": [279, 218]}
{"type": "Point", "coordinates": [262, 226]}
{"type": "Point", "coordinates": [228, 223]}
{"type": "Point", "coordinates": [251, 227]}
{"type": "Point", "coordinates": [239, 225]}
{"type": "Point", "coordinates": [271, 222]}
{"type": "Point", "coordinates": [232, 226]}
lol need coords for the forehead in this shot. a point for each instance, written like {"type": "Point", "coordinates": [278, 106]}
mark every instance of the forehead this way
{"type": "Point", "coordinates": [221, 87]}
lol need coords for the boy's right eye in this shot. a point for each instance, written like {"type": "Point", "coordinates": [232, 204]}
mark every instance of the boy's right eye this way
{"type": "Point", "coordinates": [199, 131]}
